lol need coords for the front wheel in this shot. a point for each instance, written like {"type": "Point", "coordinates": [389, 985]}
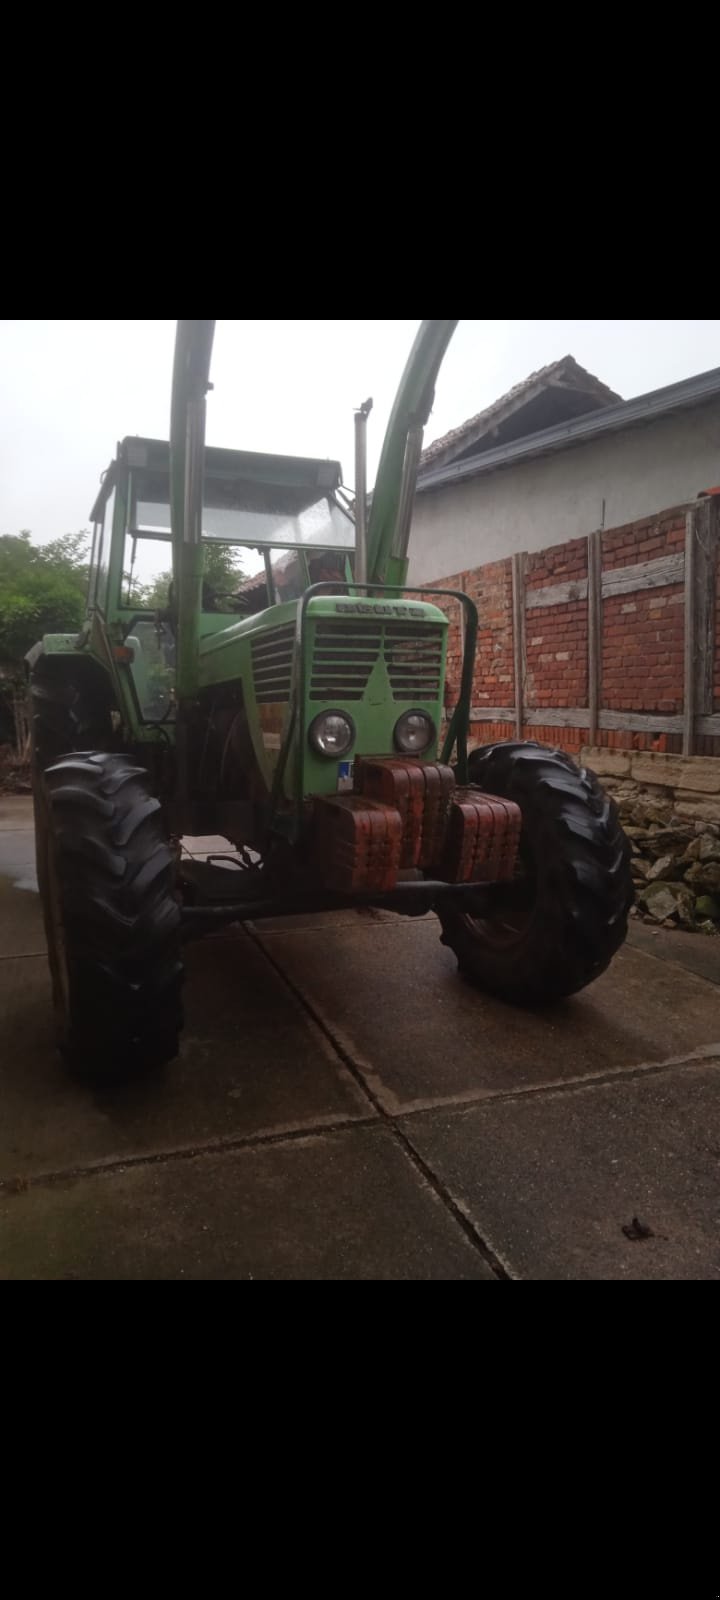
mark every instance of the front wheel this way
{"type": "Point", "coordinates": [554, 930]}
{"type": "Point", "coordinates": [112, 921]}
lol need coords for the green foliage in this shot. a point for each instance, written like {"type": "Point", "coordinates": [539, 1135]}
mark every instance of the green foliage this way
{"type": "Point", "coordinates": [42, 590]}
{"type": "Point", "coordinates": [223, 571]}
{"type": "Point", "coordinates": [147, 596]}
{"type": "Point", "coordinates": [223, 567]}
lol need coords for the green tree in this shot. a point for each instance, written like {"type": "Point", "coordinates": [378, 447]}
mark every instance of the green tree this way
{"type": "Point", "coordinates": [222, 570]}
{"type": "Point", "coordinates": [42, 590]}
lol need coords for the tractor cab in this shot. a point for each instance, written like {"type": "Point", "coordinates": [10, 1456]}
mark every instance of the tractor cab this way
{"type": "Point", "coordinates": [297, 670]}
{"type": "Point", "coordinates": [271, 526]}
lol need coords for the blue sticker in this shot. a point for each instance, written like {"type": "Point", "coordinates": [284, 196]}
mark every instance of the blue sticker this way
{"type": "Point", "coordinates": [345, 775]}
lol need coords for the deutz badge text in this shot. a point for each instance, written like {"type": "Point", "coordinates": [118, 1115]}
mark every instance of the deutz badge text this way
{"type": "Point", "coordinates": [365, 610]}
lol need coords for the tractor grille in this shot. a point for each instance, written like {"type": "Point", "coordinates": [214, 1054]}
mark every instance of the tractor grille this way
{"type": "Point", "coordinates": [414, 660]}
{"type": "Point", "coordinates": [272, 655]}
{"type": "Point", "coordinates": [345, 654]}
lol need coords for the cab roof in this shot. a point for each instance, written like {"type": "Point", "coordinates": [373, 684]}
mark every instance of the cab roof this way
{"type": "Point", "coordinates": [301, 479]}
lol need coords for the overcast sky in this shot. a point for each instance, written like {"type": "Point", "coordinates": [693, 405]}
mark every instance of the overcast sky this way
{"type": "Point", "coordinates": [70, 390]}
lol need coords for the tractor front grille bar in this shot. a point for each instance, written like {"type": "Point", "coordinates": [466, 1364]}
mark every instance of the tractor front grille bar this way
{"type": "Point", "coordinates": [457, 733]}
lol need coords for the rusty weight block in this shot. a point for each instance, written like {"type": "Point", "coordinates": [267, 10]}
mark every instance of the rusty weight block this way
{"type": "Point", "coordinates": [421, 792]}
{"type": "Point", "coordinates": [481, 840]}
{"type": "Point", "coordinates": [357, 844]}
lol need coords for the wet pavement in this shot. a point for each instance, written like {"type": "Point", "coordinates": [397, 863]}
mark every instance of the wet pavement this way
{"type": "Point", "coordinates": [344, 1106]}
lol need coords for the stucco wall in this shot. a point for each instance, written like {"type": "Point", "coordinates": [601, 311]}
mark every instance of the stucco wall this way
{"type": "Point", "coordinates": [546, 502]}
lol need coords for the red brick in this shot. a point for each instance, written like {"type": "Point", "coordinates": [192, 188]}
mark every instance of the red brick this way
{"type": "Point", "coordinates": [642, 650]}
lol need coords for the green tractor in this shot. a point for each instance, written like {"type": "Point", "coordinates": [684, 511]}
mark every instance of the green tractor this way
{"type": "Point", "coordinates": [295, 706]}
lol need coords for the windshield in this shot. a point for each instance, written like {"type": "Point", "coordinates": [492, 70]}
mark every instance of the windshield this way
{"type": "Point", "coordinates": [324, 524]}
{"type": "Point", "coordinates": [292, 572]}
{"type": "Point", "coordinates": [235, 577]}
{"type": "Point", "coordinates": [252, 531]}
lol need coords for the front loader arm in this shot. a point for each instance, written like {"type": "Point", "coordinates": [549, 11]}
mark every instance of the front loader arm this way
{"type": "Point", "coordinates": [191, 375]}
{"type": "Point", "coordinates": [389, 521]}
{"type": "Point", "coordinates": [394, 490]}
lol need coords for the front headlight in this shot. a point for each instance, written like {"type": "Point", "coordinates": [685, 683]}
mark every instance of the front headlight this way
{"type": "Point", "coordinates": [332, 733]}
{"type": "Point", "coordinates": [414, 732]}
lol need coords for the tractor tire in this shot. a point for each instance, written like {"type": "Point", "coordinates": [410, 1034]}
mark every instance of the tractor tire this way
{"type": "Point", "coordinates": [63, 715]}
{"type": "Point", "coordinates": [61, 719]}
{"type": "Point", "coordinates": [558, 928]}
{"type": "Point", "coordinates": [111, 917]}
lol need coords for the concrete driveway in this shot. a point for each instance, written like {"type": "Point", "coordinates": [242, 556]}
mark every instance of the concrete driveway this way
{"type": "Point", "coordinates": [345, 1107]}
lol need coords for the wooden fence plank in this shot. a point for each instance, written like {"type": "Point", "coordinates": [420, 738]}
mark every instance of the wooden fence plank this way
{"type": "Point", "coordinates": [594, 628]}
{"type": "Point", "coordinates": [707, 522]}
{"type": "Point", "coordinates": [689, 651]}
{"type": "Point", "coordinates": [644, 575]}
{"type": "Point", "coordinates": [518, 612]}
{"type": "Point", "coordinates": [558, 594]}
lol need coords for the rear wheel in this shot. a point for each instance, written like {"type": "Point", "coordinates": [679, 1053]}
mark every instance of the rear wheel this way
{"type": "Point", "coordinates": [557, 928]}
{"type": "Point", "coordinates": [107, 878]}
{"type": "Point", "coordinates": [62, 719]}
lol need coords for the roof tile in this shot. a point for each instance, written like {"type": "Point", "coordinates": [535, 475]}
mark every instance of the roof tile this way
{"type": "Point", "coordinates": [476, 426]}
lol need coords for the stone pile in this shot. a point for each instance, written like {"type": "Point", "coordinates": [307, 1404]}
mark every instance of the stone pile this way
{"type": "Point", "coordinates": [675, 856]}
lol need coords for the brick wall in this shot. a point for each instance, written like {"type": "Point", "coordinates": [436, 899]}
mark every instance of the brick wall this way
{"type": "Point", "coordinates": [642, 654]}
{"type": "Point", "coordinates": [643, 632]}
{"type": "Point", "coordinates": [642, 640]}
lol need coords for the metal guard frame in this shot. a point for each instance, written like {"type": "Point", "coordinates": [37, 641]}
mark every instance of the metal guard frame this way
{"type": "Point", "coordinates": [459, 723]}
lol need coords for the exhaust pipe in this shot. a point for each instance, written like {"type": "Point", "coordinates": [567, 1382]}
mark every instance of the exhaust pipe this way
{"type": "Point", "coordinates": [361, 545]}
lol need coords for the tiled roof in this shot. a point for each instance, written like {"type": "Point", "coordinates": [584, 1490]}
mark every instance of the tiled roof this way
{"type": "Point", "coordinates": [566, 372]}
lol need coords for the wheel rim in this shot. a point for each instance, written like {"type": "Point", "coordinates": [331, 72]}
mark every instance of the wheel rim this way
{"type": "Point", "coordinates": [507, 921]}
